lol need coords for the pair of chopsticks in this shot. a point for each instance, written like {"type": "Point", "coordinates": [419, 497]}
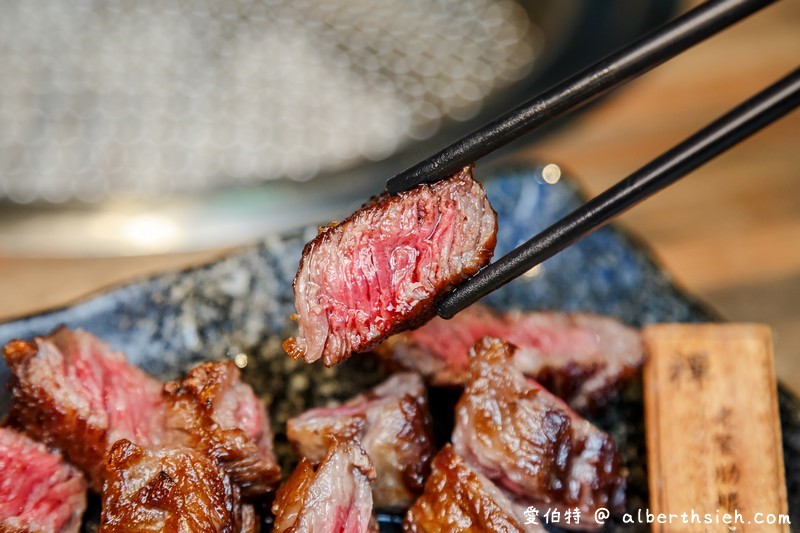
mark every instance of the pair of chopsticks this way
{"type": "Point", "coordinates": [670, 40]}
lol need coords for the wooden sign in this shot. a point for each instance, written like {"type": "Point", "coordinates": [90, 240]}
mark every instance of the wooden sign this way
{"type": "Point", "coordinates": [713, 432]}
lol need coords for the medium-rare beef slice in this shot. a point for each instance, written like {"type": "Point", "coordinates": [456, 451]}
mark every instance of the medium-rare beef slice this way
{"type": "Point", "coordinates": [582, 358]}
{"type": "Point", "coordinates": [457, 498]}
{"type": "Point", "coordinates": [167, 489]}
{"type": "Point", "coordinates": [392, 423]}
{"type": "Point", "coordinates": [380, 270]}
{"type": "Point", "coordinates": [39, 492]}
{"type": "Point", "coordinates": [529, 442]}
{"type": "Point", "coordinates": [213, 411]}
{"type": "Point", "coordinates": [72, 392]}
{"type": "Point", "coordinates": [336, 498]}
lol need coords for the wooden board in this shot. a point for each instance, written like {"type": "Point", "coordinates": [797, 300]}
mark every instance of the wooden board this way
{"type": "Point", "coordinates": [713, 432]}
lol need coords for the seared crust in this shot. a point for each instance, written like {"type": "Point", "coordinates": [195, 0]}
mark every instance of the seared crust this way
{"type": "Point", "coordinates": [71, 384]}
{"type": "Point", "coordinates": [204, 412]}
{"type": "Point", "coordinates": [504, 427]}
{"type": "Point", "coordinates": [529, 442]}
{"type": "Point", "coordinates": [166, 489]}
{"type": "Point", "coordinates": [415, 443]}
{"type": "Point", "coordinates": [73, 393]}
{"type": "Point", "coordinates": [456, 498]}
{"type": "Point", "coordinates": [290, 496]}
{"type": "Point", "coordinates": [455, 231]}
{"type": "Point", "coordinates": [36, 412]}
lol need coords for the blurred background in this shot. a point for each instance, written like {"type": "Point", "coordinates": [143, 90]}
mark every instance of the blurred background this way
{"type": "Point", "coordinates": [138, 136]}
{"type": "Point", "coordinates": [141, 126]}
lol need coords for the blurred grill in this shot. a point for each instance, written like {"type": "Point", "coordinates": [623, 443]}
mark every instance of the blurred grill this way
{"type": "Point", "coordinates": [143, 98]}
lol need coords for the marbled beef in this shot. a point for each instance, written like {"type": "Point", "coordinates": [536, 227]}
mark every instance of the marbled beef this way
{"type": "Point", "coordinates": [71, 391]}
{"type": "Point", "coordinates": [38, 491]}
{"type": "Point", "coordinates": [380, 270]}
{"type": "Point", "coordinates": [582, 358]}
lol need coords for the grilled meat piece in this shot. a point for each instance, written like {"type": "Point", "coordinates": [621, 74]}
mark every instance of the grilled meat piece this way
{"type": "Point", "coordinates": [457, 498]}
{"type": "Point", "coordinates": [38, 491]}
{"type": "Point", "coordinates": [392, 423]}
{"type": "Point", "coordinates": [529, 442]}
{"type": "Point", "coordinates": [73, 393]}
{"type": "Point", "coordinates": [584, 359]}
{"type": "Point", "coordinates": [336, 498]}
{"type": "Point", "coordinates": [167, 489]}
{"type": "Point", "coordinates": [213, 411]}
{"type": "Point", "coordinates": [508, 430]}
{"type": "Point", "coordinates": [379, 271]}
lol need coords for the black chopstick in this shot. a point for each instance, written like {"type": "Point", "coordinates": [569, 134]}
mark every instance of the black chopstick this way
{"type": "Point", "coordinates": [736, 125]}
{"type": "Point", "coordinates": [622, 66]}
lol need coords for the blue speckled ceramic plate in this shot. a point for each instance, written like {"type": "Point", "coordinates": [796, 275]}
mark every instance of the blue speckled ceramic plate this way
{"type": "Point", "coordinates": [242, 304]}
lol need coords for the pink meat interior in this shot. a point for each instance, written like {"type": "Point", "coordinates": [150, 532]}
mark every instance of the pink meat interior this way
{"type": "Point", "coordinates": [36, 487]}
{"type": "Point", "coordinates": [128, 397]}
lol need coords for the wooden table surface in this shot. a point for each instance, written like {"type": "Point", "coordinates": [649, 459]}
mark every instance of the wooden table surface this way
{"type": "Point", "coordinates": [729, 234]}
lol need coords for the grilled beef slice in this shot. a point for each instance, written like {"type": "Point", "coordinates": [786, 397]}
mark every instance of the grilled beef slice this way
{"type": "Point", "coordinates": [73, 393]}
{"type": "Point", "coordinates": [213, 411]}
{"type": "Point", "coordinates": [460, 499]}
{"type": "Point", "coordinates": [336, 498]}
{"type": "Point", "coordinates": [380, 270]}
{"type": "Point", "coordinates": [582, 358]}
{"type": "Point", "coordinates": [38, 491]}
{"type": "Point", "coordinates": [393, 425]}
{"type": "Point", "coordinates": [167, 489]}
{"type": "Point", "coordinates": [530, 443]}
